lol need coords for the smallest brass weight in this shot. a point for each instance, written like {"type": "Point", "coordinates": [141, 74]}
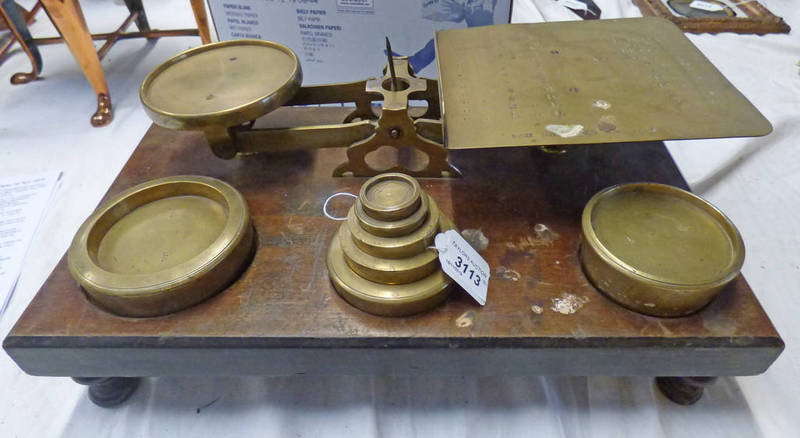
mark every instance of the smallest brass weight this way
{"type": "Point", "coordinates": [657, 249]}
{"type": "Point", "coordinates": [379, 260]}
{"type": "Point", "coordinates": [162, 246]}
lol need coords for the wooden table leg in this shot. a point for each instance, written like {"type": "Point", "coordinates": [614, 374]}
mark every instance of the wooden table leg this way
{"type": "Point", "coordinates": [199, 9]}
{"type": "Point", "coordinates": [68, 19]}
{"type": "Point", "coordinates": [18, 25]}
{"type": "Point", "coordinates": [141, 19]}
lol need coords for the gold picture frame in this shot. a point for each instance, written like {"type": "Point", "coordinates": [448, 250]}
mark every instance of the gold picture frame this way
{"type": "Point", "coordinates": [757, 20]}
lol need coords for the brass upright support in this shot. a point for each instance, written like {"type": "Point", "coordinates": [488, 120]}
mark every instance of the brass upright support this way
{"type": "Point", "coordinates": [396, 128]}
{"type": "Point", "coordinates": [362, 131]}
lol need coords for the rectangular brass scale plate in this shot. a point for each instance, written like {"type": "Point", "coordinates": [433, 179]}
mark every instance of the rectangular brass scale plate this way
{"type": "Point", "coordinates": [601, 81]}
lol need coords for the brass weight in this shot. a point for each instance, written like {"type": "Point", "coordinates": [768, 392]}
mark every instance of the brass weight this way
{"type": "Point", "coordinates": [379, 260]}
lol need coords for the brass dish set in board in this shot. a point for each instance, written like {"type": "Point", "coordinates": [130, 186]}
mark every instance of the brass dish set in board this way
{"type": "Point", "coordinates": [657, 249]}
{"type": "Point", "coordinates": [171, 243]}
{"type": "Point", "coordinates": [163, 245]}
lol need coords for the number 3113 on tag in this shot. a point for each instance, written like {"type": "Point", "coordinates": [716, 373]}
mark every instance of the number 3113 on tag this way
{"type": "Point", "coordinates": [463, 264]}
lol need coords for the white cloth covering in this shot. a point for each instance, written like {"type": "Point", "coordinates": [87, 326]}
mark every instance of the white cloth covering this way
{"type": "Point", "coordinates": [755, 181]}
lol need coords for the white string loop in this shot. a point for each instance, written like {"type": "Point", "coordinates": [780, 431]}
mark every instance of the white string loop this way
{"type": "Point", "coordinates": [325, 205]}
{"type": "Point", "coordinates": [437, 249]}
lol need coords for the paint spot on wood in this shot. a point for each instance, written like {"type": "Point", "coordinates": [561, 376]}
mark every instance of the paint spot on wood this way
{"type": "Point", "coordinates": [466, 319]}
{"type": "Point", "coordinates": [544, 233]}
{"type": "Point", "coordinates": [475, 238]}
{"type": "Point", "coordinates": [506, 274]}
{"type": "Point", "coordinates": [567, 303]}
{"type": "Point", "coordinates": [544, 236]}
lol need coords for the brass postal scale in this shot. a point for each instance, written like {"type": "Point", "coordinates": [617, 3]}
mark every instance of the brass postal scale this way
{"type": "Point", "coordinates": [591, 274]}
{"type": "Point", "coordinates": [552, 84]}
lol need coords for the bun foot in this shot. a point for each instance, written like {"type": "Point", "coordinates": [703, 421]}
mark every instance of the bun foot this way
{"type": "Point", "coordinates": [684, 390]}
{"type": "Point", "coordinates": [108, 392]}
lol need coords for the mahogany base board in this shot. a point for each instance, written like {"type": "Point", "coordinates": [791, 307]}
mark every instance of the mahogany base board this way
{"type": "Point", "coordinates": [283, 317]}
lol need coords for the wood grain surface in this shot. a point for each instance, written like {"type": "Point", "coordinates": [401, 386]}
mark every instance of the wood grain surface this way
{"type": "Point", "coordinates": [285, 303]}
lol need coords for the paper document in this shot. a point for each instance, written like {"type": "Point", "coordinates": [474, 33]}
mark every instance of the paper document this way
{"type": "Point", "coordinates": [23, 201]}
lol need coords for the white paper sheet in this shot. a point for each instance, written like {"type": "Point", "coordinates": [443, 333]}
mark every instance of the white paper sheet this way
{"type": "Point", "coordinates": [23, 201]}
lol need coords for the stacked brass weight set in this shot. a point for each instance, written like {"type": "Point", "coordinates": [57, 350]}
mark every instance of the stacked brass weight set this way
{"type": "Point", "coordinates": [380, 260]}
{"type": "Point", "coordinates": [654, 249]}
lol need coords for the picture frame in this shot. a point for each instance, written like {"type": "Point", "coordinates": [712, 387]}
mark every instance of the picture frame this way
{"type": "Point", "coordinates": [754, 18]}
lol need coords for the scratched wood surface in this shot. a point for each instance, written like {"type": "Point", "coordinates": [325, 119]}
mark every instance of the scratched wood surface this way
{"type": "Point", "coordinates": [285, 298]}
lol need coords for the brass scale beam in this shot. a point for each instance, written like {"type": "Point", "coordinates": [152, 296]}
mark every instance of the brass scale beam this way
{"type": "Point", "coordinates": [362, 131]}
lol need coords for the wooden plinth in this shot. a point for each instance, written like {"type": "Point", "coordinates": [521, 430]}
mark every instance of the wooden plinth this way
{"type": "Point", "coordinates": [283, 316]}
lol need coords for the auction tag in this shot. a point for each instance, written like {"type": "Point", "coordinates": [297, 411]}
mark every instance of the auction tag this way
{"type": "Point", "coordinates": [706, 6]}
{"type": "Point", "coordinates": [463, 264]}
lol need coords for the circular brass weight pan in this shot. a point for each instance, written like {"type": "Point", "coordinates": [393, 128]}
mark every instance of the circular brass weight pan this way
{"type": "Point", "coordinates": [379, 261]}
{"type": "Point", "coordinates": [657, 249]}
{"type": "Point", "coordinates": [221, 85]}
{"type": "Point", "coordinates": [163, 246]}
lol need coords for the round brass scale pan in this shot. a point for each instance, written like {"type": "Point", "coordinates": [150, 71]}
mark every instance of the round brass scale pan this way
{"type": "Point", "coordinates": [657, 249]}
{"type": "Point", "coordinates": [222, 84]}
{"type": "Point", "coordinates": [162, 246]}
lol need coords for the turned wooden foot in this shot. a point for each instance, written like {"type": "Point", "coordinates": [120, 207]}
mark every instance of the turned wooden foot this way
{"type": "Point", "coordinates": [108, 392]}
{"type": "Point", "coordinates": [684, 390]}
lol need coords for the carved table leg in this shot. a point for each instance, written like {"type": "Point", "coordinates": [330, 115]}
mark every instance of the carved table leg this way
{"type": "Point", "coordinates": [19, 28]}
{"type": "Point", "coordinates": [684, 390]}
{"type": "Point", "coordinates": [68, 18]}
{"type": "Point", "coordinates": [108, 392]}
